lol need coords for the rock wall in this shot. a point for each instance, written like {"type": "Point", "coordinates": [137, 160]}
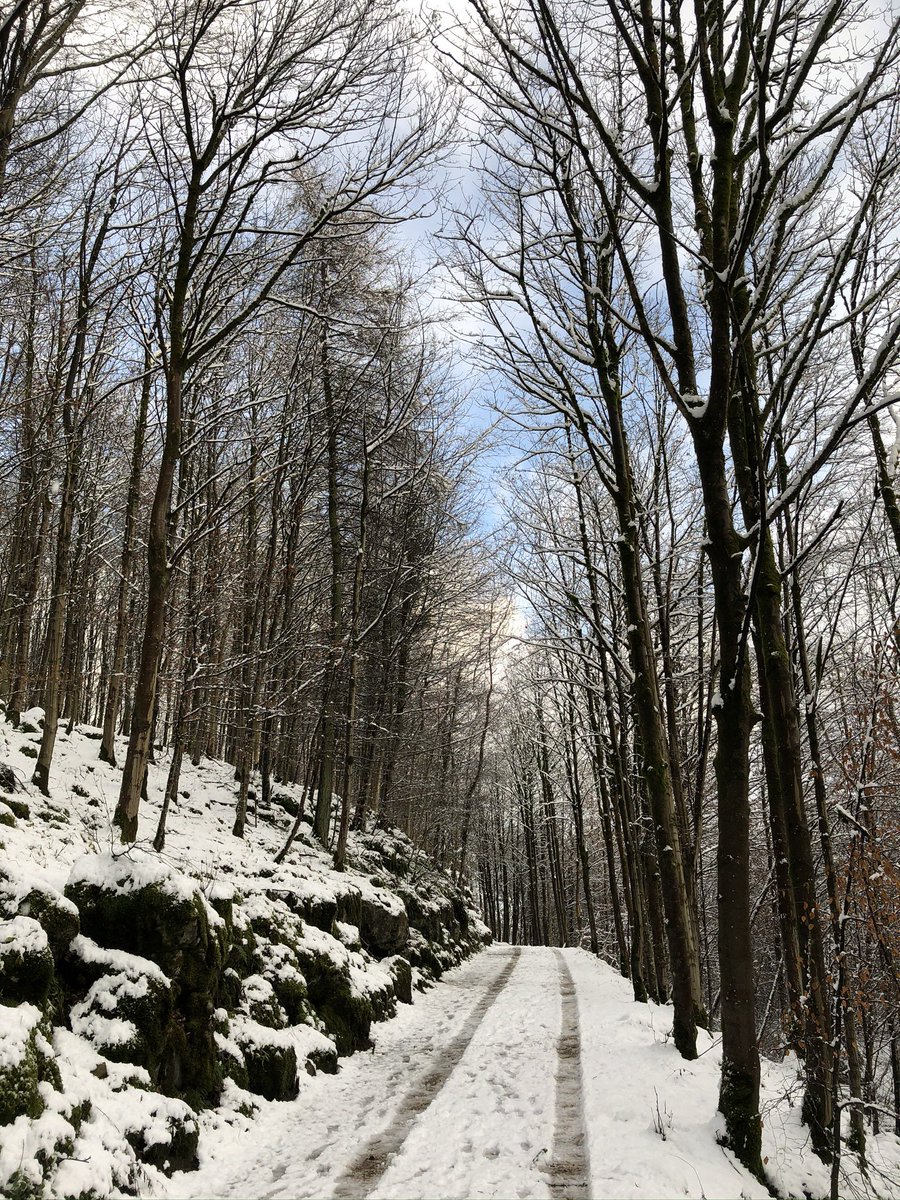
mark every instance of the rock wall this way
{"type": "Point", "coordinates": [166, 991]}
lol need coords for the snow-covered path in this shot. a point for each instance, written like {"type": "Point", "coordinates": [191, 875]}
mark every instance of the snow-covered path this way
{"type": "Point", "coordinates": [525, 1073]}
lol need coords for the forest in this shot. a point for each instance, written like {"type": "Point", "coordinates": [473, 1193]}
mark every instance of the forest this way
{"type": "Point", "coordinates": [486, 419]}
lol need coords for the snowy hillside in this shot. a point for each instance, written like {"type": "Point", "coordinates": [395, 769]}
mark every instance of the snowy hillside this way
{"type": "Point", "coordinates": [140, 990]}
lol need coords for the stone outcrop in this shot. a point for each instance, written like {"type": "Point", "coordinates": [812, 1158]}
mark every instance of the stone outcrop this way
{"type": "Point", "coordinates": [179, 989]}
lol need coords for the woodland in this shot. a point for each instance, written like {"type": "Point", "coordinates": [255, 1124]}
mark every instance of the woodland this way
{"type": "Point", "coordinates": [487, 419]}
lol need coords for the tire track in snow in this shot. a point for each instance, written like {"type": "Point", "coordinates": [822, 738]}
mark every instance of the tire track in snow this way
{"type": "Point", "coordinates": [373, 1160]}
{"type": "Point", "coordinates": [567, 1168]}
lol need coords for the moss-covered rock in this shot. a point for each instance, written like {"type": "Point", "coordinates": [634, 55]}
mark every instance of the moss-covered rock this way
{"type": "Point", "coordinates": [345, 1015]}
{"type": "Point", "coordinates": [167, 1136]}
{"type": "Point", "coordinates": [271, 918]}
{"type": "Point", "coordinates": [84, 962]}
{"type": "Point", "coordinates": [231, 1057]}
{"type": "Point", "coordinates": [127, 1019]}
{"type": "Point", "coordinates": [231, 990]}
{"type": "Point", "coordinates": [20, 809]}
{"type": "Point", "coordinates": [424, 954]}
{"type": "Point", "coordinates": [260, 1003]}
{"type": "Point", "coordinates": [20, 1063]}
{"type": "Point", "coordinates": [26, 964]}
{"type": "Point", "coordinates": [289, 986]}
{"type": "Point", "coordinates": [140, 905]}
{"type": "Point", "coordinates": [348, 1018]}
{"type": "Point", "coordinates": [322, 1058]}
{"type": "Point", "coordinates": [241, 956]}
{"type": "Point", "coordinates": [270, 1059]}
{"type": "Point", "coordinates": [191, 1067]}
{"type": "Point", "coordinates": [382, 1001]}
{"type": "Point", "coordinates": [145, 909]}
{"type": "Point", "coordinates": [284, 800]}
{"type": "Point", "coordinates": [318, 910]}
{"type": "Point", "coordinates": [57, 916]}
{"type": "Point", "coordinates": [384, 925]}
{"type": "Point", "coordinates": [275, 939]}
{"type": "Point", "coordinates": [421, 913]}
{"type": "Point", "coordinates": [222, 900]}
{"type": "Point", "coordinates": [32, 720]}
{"type": "Point", "coordinates": [349, 906]}
{"type": "Point", "coordinates": [347, 935]}
{"type": "Point", "coordinates": [401, 974]}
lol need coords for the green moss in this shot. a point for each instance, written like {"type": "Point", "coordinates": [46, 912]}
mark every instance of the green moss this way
{"type": "Point", "coordinates": [279, 925]}
{"type": "Point", "coordinates": [266, 1010]}
{"type": "Point", "coordinates": [176, 933]}
{"type": "Point", "coordinates": [224, 906]}
{"type": "Point", "coordinates": [7, 818]}
{"type": "Point", "coordinates": [190, 1067]}
{"type": "Point", "coordinates": [324, 1059]}
{"type": "Point", "coordinates": [271, 1070]}
{"type": "Point", "coordinates": [177, 1151]}
{"type": "Point", "coordinates": [29, 750]}
{"type": "Point", "coordinates": [233, 1067]}
{"type": "Point", "coordinates": [25, 973]}
{"type": "Point", "coordinates": [346, 1017]}
{"type": "Point", "coordinates": [424, 954]}
{"type": "Point", "coordinates": [292, 995]}
{"type": "Point", "coordinates": [20, 1187]}
{"type": "Point", "coordinates": [319, 911]}
{"type": "Point", "coordinates": [150, 1014]}
{"type": "Point", "coordinates": [383, 1003]}
{"type": "Point", "coordinates": [171, 931]}
{"type": "Point", "coordinates": [401, 974]}
{"type": "Point", "coordinates": [20, 808]}
{"type": "Point", "coordinates": [55, 917]}
{"type": "Point", "coordinates": [349, 907]}
{"type": "Point", "coordinates": [19, 1094]}
{"type": "Point", "coordinates": [230, 990]}
{"type": "Point", "coordinates": [242, 951]}
{"type": "Point", "coordinates": [200, 1082]}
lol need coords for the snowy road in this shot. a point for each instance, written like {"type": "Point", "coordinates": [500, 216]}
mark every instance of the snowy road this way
{"type": "Point", "coordinates": [525, 1073]}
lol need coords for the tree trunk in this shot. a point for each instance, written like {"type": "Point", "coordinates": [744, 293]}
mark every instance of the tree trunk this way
{"type": "Point", "coordinates": [107, 751]}
{"type": "Point", "coordinates": [322, 820]}
{"type": "Point", "coordinates": [158, 575]}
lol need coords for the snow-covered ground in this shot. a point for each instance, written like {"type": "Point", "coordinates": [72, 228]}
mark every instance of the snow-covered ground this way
{"type": "Point", "coordinates": [460, 1098]}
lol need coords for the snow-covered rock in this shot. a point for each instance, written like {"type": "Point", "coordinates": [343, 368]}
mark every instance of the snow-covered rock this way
{"type": "Point", "coordinates": [167, 983]}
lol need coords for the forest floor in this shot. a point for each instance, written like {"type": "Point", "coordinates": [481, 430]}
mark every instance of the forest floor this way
{"type": "Point", "coordinates": [525, 1073]}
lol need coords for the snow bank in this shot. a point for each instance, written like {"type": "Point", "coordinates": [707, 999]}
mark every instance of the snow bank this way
{"type": "Point", "coordinates": [130, 872]}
